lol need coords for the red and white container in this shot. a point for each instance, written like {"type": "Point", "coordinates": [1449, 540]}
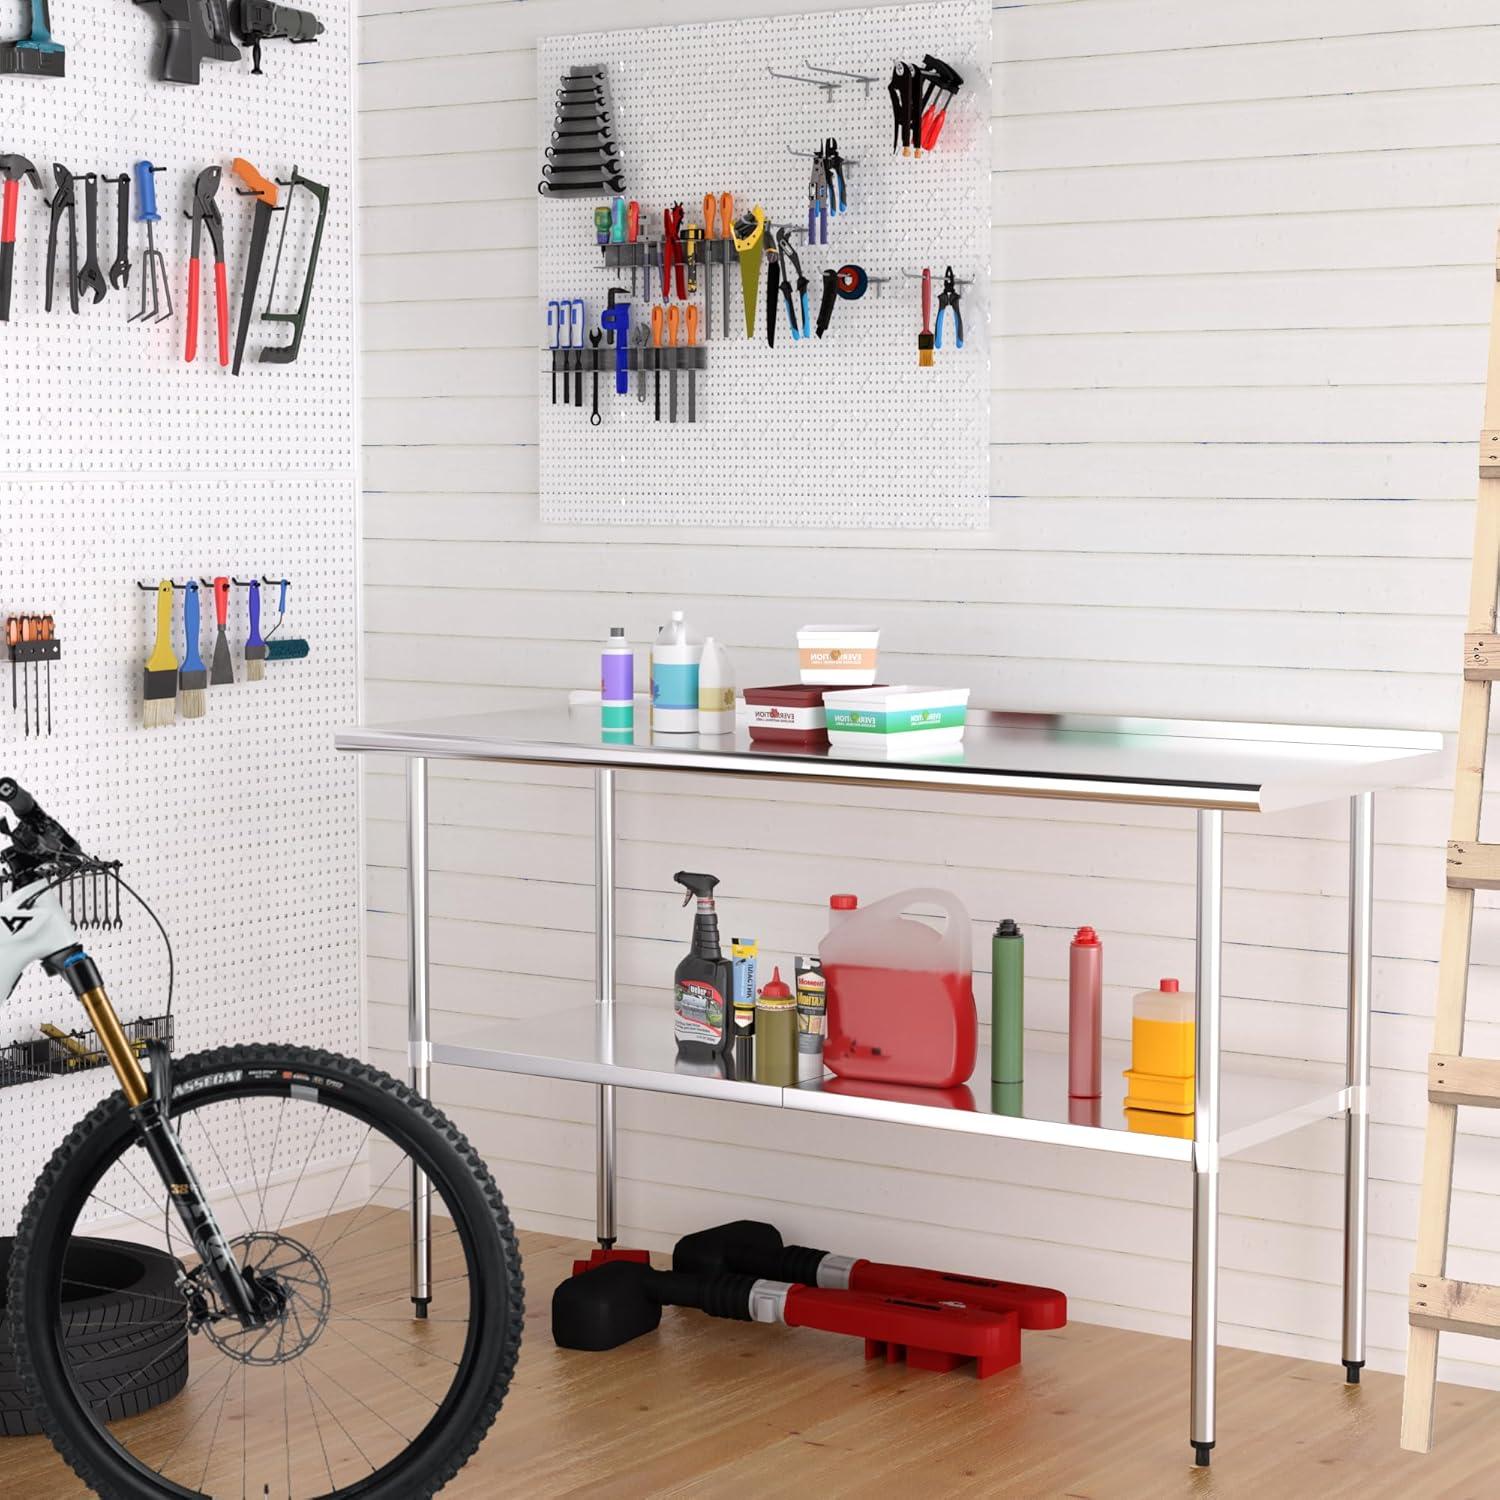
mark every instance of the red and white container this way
{"type": "Point", "coordinates": [788, 715]}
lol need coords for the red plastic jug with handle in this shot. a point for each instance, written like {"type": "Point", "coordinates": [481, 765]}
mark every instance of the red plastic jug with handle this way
{"type": "Point", "coordinates": [901, 993]}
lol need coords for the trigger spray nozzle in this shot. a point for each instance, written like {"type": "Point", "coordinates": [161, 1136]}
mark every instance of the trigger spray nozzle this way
{"type": "Point", "coordinates": [700, 886]}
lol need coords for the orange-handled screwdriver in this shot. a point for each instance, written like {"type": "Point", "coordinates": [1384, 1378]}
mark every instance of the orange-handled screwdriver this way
{"type": "Point", "coordinates": [692, 338]}
{"type": "Point", "coordinates": [674, 324]}
{"type": "Point", "coordinates": [656, 330]}
{"type": "Point", "coordinates": [711, 254]}
{"type": "Point", "coordinates": [726, 219]}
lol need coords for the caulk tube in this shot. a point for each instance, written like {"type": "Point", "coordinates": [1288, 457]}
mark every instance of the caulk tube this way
{"type": "Point", "coordinates": [1085, 1013]}
{"type": "Point", "coordinates": [674, 679]}
{"type": "Point", "coordinates": [617, 682]}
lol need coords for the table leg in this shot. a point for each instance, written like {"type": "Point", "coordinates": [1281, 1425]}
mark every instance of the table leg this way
{"type": "Point", "coordinates": [1206, 1134]}
{"type": "Point", "coordinates": [1357, 1120]}
{"type": "Point", "coordinates": [418, 1018]}
{"type": "Point", "coordinates": [604, 973]}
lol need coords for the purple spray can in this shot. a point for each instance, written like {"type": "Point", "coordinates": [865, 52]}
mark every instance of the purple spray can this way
{"type": "Point", "coordinates": [617, 685]}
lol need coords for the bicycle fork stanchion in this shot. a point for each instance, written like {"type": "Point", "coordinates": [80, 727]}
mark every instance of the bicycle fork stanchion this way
{"type": "Point", "coordinates": [418, 1018]}
{"type": "Point", "coordinates": [1357, 1120]}
{"type": "Point", "coordinates": [604, 974]}
{"type": "Point", "coordinates": [1206, 1133]}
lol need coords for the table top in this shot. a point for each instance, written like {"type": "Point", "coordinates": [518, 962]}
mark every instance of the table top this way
{"type": "Point", "coordinates": [1073, 757]}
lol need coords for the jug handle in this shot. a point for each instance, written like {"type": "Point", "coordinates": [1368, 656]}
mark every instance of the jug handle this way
{"type": "Point", "coordinates": [960, 926]}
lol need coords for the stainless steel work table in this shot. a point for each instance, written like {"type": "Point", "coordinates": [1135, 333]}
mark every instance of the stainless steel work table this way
{"type": "Point", "coordinates": [1211, 768]}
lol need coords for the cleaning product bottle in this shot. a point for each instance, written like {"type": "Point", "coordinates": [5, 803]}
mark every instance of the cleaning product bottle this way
{"type": "Point", "coordinates": [617, 682]}
{"type": "Point", "coordinates": [776, 1034]}
{"type": "Point", "coordinates": [704, 1024]}
{"type": "Point", "coordinates": [1163, 1051]}
{"type": "Point", "coordinates": [674, 678]}
{"type": "Point", "coordinates": [715, 690]}
{"type": "Point", "coordinates": [1007, 1003]}
{"type": "Point", "coordinates": [1085, 1013]}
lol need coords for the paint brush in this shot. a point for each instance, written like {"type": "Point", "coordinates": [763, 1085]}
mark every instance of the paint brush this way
{"type": "Point", "coordinates": [255, 647]}
{"type": "Point", "coordinates": [924, 339]}
{"type": "Point", "coordinates": [221, 674]}
{"type": "Point", "coordinates": [159, 692]}
{"type": "Point", "coordinates": [192, 680]}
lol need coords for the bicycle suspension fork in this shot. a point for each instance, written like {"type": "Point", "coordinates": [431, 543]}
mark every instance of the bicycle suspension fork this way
{"type": "Point", "coordinates": [149, 1102]}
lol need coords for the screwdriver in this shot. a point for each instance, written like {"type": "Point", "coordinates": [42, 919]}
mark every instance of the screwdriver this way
{"type": "Point", "coordinates": [616, 236]}
{"type": "Point", "coordinates": [673, 323]}
{"type": "Point", "coordinates": [692, 338]}
{"type": "Point", "coordinates": [44, 633]}
{"type": "Point", "coordinates": [691, 236]}
{"type": "Point", "coordinates": [632, 234]}
{"type": "Point", "coordinates": [710, 234]}
{"type": "Point", "coordinates": [12, 640]}
{"type": "Point", "coordinates": [656, 321]}
{"type": "Point", "coordinates": [726, 218]}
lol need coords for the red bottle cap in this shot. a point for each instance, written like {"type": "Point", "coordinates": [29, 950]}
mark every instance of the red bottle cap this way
{"type": "Point", "coordinates": [843, 903]}
{"type": "Point", "coordinates": [777, 989]}
{"type": "Point", "coordinates": [1086, 937]}
{"type": "Point", "coordinates": [1169, 986]}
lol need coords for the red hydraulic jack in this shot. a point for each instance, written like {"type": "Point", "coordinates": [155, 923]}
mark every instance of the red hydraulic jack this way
{"type": "Point", "coordinates": [618, 1300]}
{"type": "Point", "coordinates": [749, 1248]}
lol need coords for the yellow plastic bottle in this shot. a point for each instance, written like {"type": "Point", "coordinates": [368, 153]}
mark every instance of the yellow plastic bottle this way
{"type": "Point", "coordinates": [1163, 1045]}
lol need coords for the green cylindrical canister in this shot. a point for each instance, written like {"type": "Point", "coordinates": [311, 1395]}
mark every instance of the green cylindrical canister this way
{"type": "Point", "coordinates": [1007, 1003]}
{"type": "Point", "coordinates": [776, 1034]}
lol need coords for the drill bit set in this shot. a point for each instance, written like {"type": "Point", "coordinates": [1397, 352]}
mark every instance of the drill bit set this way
{"type": "Point", "coordinates": [32, 644]}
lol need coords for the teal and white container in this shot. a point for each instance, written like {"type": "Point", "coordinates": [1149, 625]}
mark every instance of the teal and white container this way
{"type": "Point", "coordinates": [675, 658]}
{"type": "Point", "coordinates": [902, 718]}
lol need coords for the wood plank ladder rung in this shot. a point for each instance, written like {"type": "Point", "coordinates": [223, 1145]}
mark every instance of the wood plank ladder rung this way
{"type": "Point", "coordinates": [1437, 1303]}
{"type": "Point", "coordinates": [1473, 866]}
{"type": "Point", "coordinates": [1449, 1306]}
{"type": "Point", "coordinates": [1463, 1080]}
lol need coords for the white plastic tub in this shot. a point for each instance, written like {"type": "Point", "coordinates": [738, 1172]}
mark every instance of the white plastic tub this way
{"type": "Point", "coordinates": [842, 656]}
{"type": "Point", "coordinates": [903, 717]}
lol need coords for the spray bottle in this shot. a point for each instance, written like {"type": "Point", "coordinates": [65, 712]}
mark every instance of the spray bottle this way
{"type": "Point", "coordinates": [704, 982]}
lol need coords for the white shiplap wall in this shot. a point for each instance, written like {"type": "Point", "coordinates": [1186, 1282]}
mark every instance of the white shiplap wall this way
{"type": "Point", "coordinates": [1243, 261]}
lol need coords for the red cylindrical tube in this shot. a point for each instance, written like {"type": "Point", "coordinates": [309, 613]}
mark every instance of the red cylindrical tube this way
{"type": "Point", "coordinates": [1085, 1013]}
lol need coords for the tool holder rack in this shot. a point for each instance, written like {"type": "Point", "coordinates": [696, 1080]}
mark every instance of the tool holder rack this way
{"type": "Point", "coordinates": [46, 1057]}
{"type": "Point", "coordinates": [25, 652]}
{"type": "Point", "coordinates": [649, 358]}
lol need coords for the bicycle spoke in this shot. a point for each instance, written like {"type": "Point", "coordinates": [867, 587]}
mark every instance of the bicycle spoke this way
{"type": "Point", "coordinates": [388, 1370]}
{"type": "Point", "coordinates": [421, 1348]}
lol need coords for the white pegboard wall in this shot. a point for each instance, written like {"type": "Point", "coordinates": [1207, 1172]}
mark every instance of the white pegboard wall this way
{"type": "Point", "coordinates": [843, 431]}
{"type": "Point", "coordinates": [95, 393]}
{"type": "Point", "coordinates": [239, 827]}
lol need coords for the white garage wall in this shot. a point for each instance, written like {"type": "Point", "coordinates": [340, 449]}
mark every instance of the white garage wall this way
{"type": "Point", "coordinates": [1243, 254]}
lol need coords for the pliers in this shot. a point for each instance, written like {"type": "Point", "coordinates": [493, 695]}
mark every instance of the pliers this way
{"type": "Point", "coordinates": [64, 201]}
{"type": "Point", "coordinates": [671, 254]}
{"type": "Point", "coordinates": [205, 213]}
{"type": "Point", "coordinates": [833, 173]}
{"type": "Point", "coordinates": [790, 261]}
{"type": "Point", "coordinates": [948, 302]}
{"type": "Point", "coordinates": [817, 202]}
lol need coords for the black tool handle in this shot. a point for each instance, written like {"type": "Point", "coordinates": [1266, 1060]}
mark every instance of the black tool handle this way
{"type": "Point", "coordinates": [7, 272]}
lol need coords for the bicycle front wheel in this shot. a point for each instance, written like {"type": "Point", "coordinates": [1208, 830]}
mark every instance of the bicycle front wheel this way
{"type": "Point", "coordinates": [311, 1162]}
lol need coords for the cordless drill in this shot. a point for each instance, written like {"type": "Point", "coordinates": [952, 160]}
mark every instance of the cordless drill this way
{"type": "Point", "coordinates": [260, 21]}
{"type": "Point", "coordinates": [196, 29]}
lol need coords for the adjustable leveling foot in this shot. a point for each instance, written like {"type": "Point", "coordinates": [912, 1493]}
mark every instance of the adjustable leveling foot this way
{"type": "Point", "coordinates": [1201, 1453]}
{"type": "Point", "coordinates": [1352, 1367]}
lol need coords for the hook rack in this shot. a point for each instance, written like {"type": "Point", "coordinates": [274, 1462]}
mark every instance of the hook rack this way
{"type": "Point", "coordinates": [863, 78]}
{"type": "Point", "coordinates": [849, 161]}
{"type": "Point", "coordinates": [817, 83]}
{"type": "Point", "coordinates": [917, 276]}
{"type": "Point", "coordinates": [151, 588]}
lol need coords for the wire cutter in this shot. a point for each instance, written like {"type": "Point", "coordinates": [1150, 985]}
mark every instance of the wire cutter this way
{"type": "Point", "coordinates": [790, 261]}
{"type": "Point", "coordinates": [834, 176]}
{"type": "Point", "coordinates": [948, 302]}
{"type": "Point", "coordinates": [671, 253]}
{"type": "Point", "coordinates": [205, 213]}
{"type": "Point", "coordinates": [64, 203]}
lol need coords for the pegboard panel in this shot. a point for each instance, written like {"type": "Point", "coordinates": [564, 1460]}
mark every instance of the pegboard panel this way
{"type": "Point", "coordinates": [240, 827]}
{"type": "Point", "coordinates": [95, 393]}
{"type": "Point", "coordinates": [843, 431]}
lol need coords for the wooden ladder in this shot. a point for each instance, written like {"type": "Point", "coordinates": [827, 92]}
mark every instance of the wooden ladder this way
{"type": "Point", "coordinates": [1436, 1301]}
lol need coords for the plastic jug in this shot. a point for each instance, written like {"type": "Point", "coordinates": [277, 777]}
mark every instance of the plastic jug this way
{"type": "Point", "coordinates": [901, 993]}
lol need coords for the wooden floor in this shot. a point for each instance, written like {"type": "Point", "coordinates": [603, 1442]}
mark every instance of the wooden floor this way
{"type": "Point", "coordinates": [718, 1409]}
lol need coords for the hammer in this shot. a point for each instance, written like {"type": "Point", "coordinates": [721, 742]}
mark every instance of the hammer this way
{"type": "Point", "coordinates": [12, 170]}
{"type": "Point", "coordinates": [621, 1300]}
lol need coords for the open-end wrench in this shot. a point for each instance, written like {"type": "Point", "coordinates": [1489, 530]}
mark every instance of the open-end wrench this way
{"type": "Point", "coordinates": [119, 273]}
{"type": "Point", "coordinates": [64, 201]}
{"type": "Point", "coordinates": [91, 278]}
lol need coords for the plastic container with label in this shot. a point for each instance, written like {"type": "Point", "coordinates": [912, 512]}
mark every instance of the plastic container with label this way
{"type": "Point", "coordinates": [902, 718]}
{"type": "Point", "coordinates": [789, 714]}
{"type": "Point", "coordinates": [901, 993]}
{"type": "Point", "coordinates": [1163, 1050]}
{"type": "Point", "coordinates": [838, 655]}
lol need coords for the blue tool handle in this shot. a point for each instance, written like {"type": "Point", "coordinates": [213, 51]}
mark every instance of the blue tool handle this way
{"type": "Point", "coordinates": [281, 605]}
{"type": "Point", "coordinates": [937, 328]}
{"type": "Point", "coordinates": [145, 193]}
{"type": "Point", "coordinates": [253, 639]}
{"type": "Point", "coordinates": [40, 39]}
{"type": "Point", "coordinates": [192, 661]}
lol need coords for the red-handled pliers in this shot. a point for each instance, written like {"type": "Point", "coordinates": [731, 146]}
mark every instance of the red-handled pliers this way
{"type": "Point", "coordinates": [206, 212]}
{"type": "Point", "coordinates": [671, 254]}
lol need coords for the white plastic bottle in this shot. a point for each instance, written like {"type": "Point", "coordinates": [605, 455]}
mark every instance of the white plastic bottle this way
{"type": "Point", "coordinates": [715, 690]}
{"type": "Point", "coordinates": [674, 678]}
